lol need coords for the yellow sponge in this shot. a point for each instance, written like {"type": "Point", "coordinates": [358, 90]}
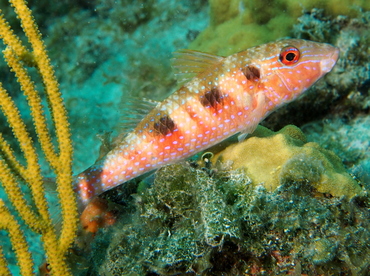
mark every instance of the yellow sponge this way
{"type": "Point", "coordinates": [272, 159]}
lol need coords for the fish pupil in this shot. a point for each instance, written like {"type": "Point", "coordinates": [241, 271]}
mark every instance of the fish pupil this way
{"type": "Point", "coordinates": [290, 56]}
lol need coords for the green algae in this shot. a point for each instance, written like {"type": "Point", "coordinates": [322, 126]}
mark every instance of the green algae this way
{"type": "Point", "coordinates": [181, 217]}
{"type": "Point", "coordinates": [240, 24]}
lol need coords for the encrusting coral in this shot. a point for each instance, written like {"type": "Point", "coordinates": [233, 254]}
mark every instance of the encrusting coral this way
{"type": "Point", "coordinates": [272, 159]}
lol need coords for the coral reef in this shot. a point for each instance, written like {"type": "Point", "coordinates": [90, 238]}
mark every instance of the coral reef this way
{"type": "Point", "coordinates": [192, 223]}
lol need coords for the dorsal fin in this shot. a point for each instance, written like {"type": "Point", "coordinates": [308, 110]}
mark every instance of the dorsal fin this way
{"type": "Point", "coordinates": [133, 110]}
{"type": "Point", "coordinates": [189, 63]}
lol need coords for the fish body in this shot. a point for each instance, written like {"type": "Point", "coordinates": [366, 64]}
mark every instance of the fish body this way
{"type": "Point", "coordinates": [227, 95]}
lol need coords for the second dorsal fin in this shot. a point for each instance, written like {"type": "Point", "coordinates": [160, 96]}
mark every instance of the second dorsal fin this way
{"type": "Point", "coordinates": [133, 110]}
{"type": "Point", "coordinates": [189, 63]}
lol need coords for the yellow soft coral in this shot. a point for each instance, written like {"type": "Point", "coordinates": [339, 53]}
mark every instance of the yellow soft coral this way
{"type": "Point", "coordinates": [13, 173]}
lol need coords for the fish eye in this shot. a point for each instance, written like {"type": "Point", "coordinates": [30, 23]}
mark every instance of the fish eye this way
{"type": "Point", "coordinates": [289, 55]}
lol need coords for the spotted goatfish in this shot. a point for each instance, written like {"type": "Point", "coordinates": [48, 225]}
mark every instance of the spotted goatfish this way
{"type": "Point", "coordinates": [223, 96]}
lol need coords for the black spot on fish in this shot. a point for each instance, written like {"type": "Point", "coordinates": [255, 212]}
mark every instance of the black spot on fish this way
{"type": "Point", "coordinates": [212, 98]}
{"type": "Point", "coordinates": [164, 125]}
{"type": "Point", "coordinates": [251, 72]}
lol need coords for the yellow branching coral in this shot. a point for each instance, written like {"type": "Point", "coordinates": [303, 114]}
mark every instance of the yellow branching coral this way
{"type": "Point", "coordinates": [13, 173]}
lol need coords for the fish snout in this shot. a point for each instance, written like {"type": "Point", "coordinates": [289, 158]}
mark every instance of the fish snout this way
{"type": "Point", "coordinates": [328, 63]}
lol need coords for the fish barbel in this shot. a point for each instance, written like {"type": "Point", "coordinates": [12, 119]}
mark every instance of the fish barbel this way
{"type": "Point", "coordinates": [223, 96]}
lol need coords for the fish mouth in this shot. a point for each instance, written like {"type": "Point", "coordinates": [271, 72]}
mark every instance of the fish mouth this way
{"type": "Point", "coordinates": [328, 63]}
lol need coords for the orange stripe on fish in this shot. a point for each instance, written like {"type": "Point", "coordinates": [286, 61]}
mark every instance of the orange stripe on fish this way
{"type": "Point", "coordinates": [223, 96]}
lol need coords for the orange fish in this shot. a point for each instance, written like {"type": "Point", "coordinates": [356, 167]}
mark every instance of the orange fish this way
{"type": "Point", "coordinates": [223, 96]}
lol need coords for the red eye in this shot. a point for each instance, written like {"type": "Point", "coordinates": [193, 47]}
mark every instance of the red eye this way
{"type": "Point", "coordinates": [289, 55]}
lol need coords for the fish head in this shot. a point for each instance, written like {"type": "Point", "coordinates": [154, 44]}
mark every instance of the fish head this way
{"type": "Point", "coordinates": [294, 65]}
